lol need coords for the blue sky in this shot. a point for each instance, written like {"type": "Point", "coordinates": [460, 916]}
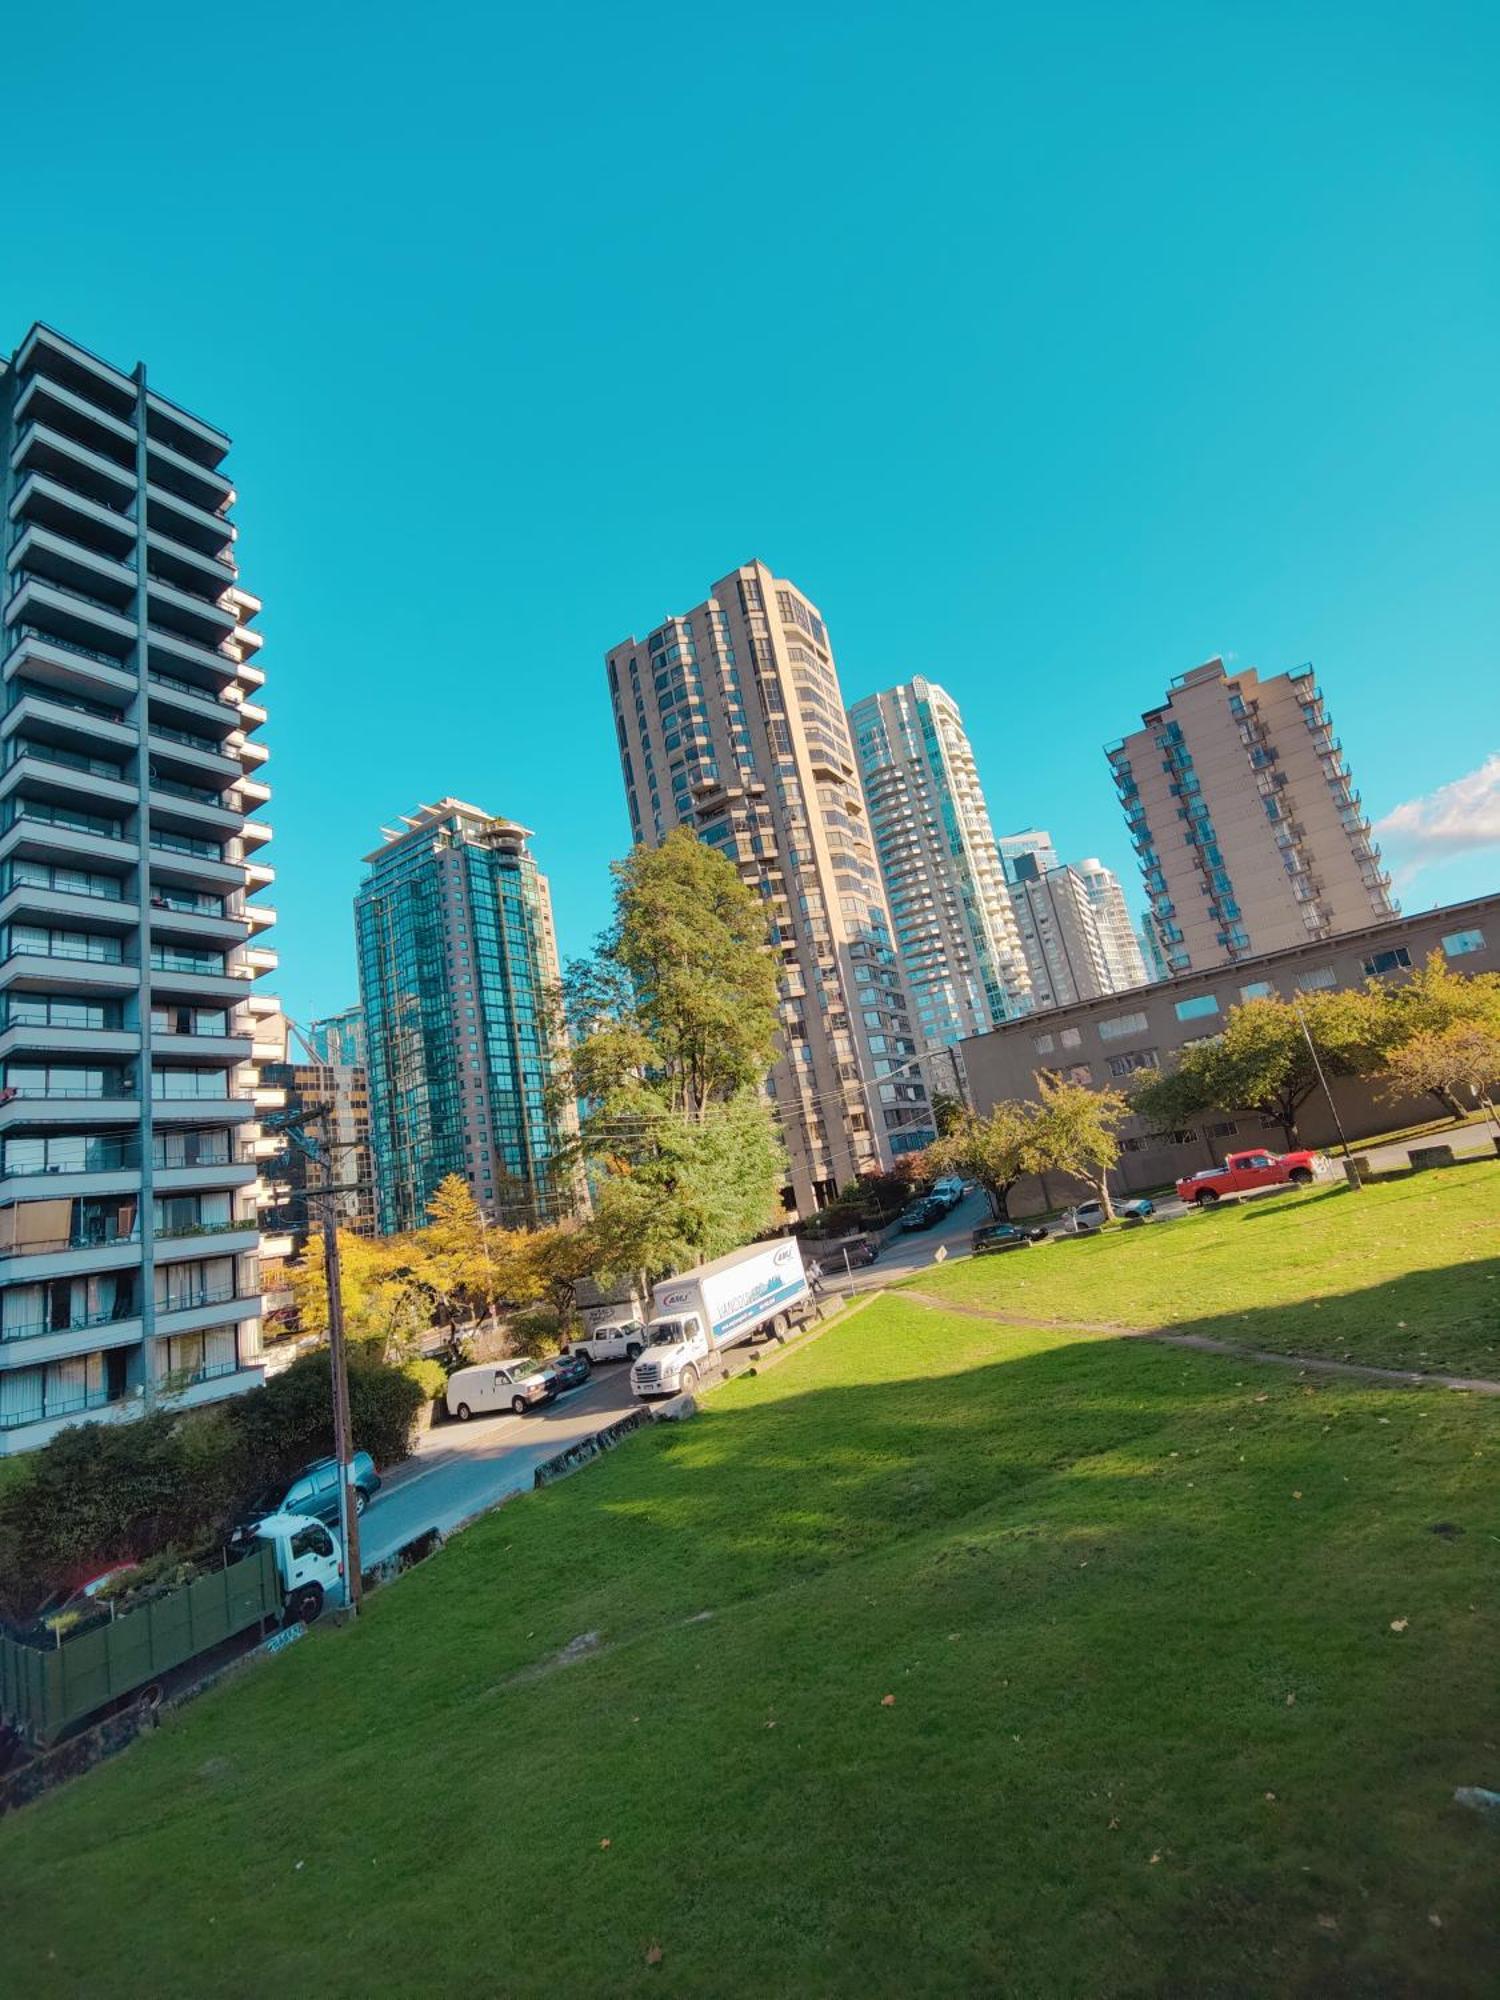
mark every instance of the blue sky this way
{"type": "Point", "coordinates": [1050, 350]}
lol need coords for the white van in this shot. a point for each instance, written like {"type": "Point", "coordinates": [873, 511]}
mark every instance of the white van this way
{"type": "Point", "coordinates": [518, 1385]}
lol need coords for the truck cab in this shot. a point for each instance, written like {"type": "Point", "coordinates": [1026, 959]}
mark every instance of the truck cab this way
{"type": "Point", "coordinates": [673, 1358]}
{"type": "Point", "coordinates": [309, 1562]}
{"type": "Point", "coordinates": [620, 1340]}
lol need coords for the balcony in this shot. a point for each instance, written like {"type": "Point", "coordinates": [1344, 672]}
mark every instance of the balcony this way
{"type": "Point", "coordinates": [185, 433]}
{"type": "Point", "coordinates": [176, 473]}
{"type": "Point", "coordinates": [80, 672]}
{"type": "Point", "coordinates": [182, 861]}
{"type": "Point", "coordinates": [47, 772]}
{"type": "Point", "coordinates": [212, 1309]}
{"type": "Point", "coordinates": [40, 448]}
{"type": "Point", "coordinates": [86, 423]}
{"type": "Point", "coordinates": [192, 809]}
{"type": "Point", "coordinates": [189, 705]}
{"type": "Point", "coordinates": [51, 354]}
{"type": "Point", "coordinates": [70, 615]}
{"type": "Point", "coordinates": [230, 1050]}
{"type": "Point", "coordinates": [27, 1107]}
{"type": "Point", "coordinates": [187, 568]}
{"type": "Point", "coordinates": [259, 916]}
{"type": "Point", "coordinates": [68, 722]}
{"type": "Point", "coordinates": [220, 1239]}
{"type": "Point", "coordinates": [47, 503]}
{"type": "Point", "coordinates": [67, 909]}
{"type": "Point", "coordinates": [29, 970]}
{"type": "Point", "coordinates": [191, 756]}
{"type": "Point", "coordinates": [254, 833]}
{"type": "Point", "coordinates": [45, 1037]}
{"type": "Point", "coordinates": [200, 620]}
{"type": "Point", "coordinates": [204, 1176]}
{"type": "Point", "coordinates": [198, 1110]}
{"type": "Point", "coordinates": [60, 1343]}
{"type": "Point", "coordinates": [177, 977]}
{"type": "Point", "coordinates": [182, 520]}
{"type": "Point", "coordinates": [222, 928]}
{"type": "Point", "coordinates": [55, 558]}
{"type": "Point", "coordinates": [184, 660]}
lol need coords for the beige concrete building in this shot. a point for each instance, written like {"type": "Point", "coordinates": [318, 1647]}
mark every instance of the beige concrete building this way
{"type": "Point", "coordinates": [1250, 833]}
{"type": "Point", "coordinates": [1103, 1042]}
{"type": "Point", "coordinates": [730, 721]}
{"type": "Point", "coordinates": [1073, 924]}
{"type": "Point", "coordinates": [951, 912]}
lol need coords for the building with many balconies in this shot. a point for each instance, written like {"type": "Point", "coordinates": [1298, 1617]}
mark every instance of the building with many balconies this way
{"type": "Point", "coordinates": [131, 831]}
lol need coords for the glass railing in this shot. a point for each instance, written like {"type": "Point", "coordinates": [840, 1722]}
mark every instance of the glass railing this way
{"type": "Point", "coordinates": [72, 646]}
{"type": "Point", "coordinates": [183, 843]}
{"type": "Point", "coordinates": [71, 822]}
{"type": "Point", "coordinates": [83, 1237]}
{"type": "Point", "coordinates": [39, 691]}
{"type": "Point", "coordinates": [163, 960]}
{"type": "Point", "coordinates": [26, 576]}
{"type": "Point", "coordinates": [83, 955]}
{"type": "Point", "coordinates": [66, 1156]}
{"type": "Point", "coordinates": [199, 794]}
{"type": "Point", "coordinates": [113, 893]}
{"type": "Point", "coordinates": [71, 760]}
{"type": "Point", "coordinates": [31, 1329]}
{"type": "Point", "coordinates": [187, 687]}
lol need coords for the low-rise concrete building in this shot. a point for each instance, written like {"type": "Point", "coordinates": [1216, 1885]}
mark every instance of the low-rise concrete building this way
{"type": "Point", "coordinates": [1103, 1042]}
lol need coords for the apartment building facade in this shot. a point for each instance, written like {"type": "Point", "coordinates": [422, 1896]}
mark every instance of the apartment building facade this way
{"type": "Point", "coordinates": [951, 913]}
{"type": "Point", "coordinates": [131, 853]}
{"type": "Point", "coordinates": [457, 968]}
{"type": "Point", "coordinates": [1242, 809]}
{"type": "Point", "coordinates": [1105, 1041]}
{"type": "Point", "coordinates": [730, 721]}
{"type": "Point", "coordinates": [1117, 938]}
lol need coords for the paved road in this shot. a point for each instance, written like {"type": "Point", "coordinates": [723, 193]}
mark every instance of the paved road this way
{"type": "Point", "coordinates": [459, 1468]}
{"type": "Point", "coordinates": [903, 1254]}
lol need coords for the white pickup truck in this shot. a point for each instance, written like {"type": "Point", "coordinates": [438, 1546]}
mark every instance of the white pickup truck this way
{"type": "Point", "coordinates": [612, 1340]}
{"type": "Point", "coordinates": [695, 1316]}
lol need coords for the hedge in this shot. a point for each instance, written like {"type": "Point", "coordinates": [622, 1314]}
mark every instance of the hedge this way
{"type": "Point", "coordinates": [100, 1494]}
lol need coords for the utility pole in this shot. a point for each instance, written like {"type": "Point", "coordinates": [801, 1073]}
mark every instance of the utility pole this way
{"type": "Point", "coordinates": [1350, 1173]}
{"type": "Point", "coordinates": [343, 1425]}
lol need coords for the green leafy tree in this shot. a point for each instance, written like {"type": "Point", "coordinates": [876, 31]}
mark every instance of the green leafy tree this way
{"type": "Point", "coordinates": [947, 1112]}
{"type": "Point", "coordinates": [1425, 1008]}
{"type": "Point", "coordinates": [385, 1304]}
{"type": "Point", "coordinates": [1446, 1063]}
{"type": "Point", "coordinates": [1077, 1133]}
{"type": "Point", "coordinates": [1261, 1062]}
{"type": "Point", "coordinates": [672, 1030]}
{"type": "Point", "coordinates": [994, 1151]}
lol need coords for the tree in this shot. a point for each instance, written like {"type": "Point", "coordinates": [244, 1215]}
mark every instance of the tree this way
{"type": "Point", "coordinates": [673, 1027]}
{"type": "Point", "coordinates": [384, 1305]}
{"type": "Point", "coordinates": [946, 1112]}
{"type": "Point", "coordinates": [996, 1151]}
{"type": "Point", "coordinates": [1261, 1062]}
{"type": "Point", "coordinates": [1077, 1133]}
{"type": "Point", "coordinates": [1443, 1062]}
{"type": "Point", "coordinates": [1424, 1007]}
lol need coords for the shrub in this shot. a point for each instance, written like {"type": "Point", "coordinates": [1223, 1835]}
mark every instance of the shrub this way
{"type": "Point", "coordinates": [430, 1377]}
{"type": "Point", "coordinates": [105, 1493]}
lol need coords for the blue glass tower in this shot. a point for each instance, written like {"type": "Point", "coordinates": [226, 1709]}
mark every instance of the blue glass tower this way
{"type": "Point", "coordinates": [457, 962]}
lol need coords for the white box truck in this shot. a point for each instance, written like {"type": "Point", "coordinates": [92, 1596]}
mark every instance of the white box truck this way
{"type": "Point", "coordinates": [701, 1312]}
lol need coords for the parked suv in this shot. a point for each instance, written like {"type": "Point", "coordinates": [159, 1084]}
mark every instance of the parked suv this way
{"type": "Point", "coordinates": [315, 1490]}
{"type": "Point", "coordinates": [949, 1191]}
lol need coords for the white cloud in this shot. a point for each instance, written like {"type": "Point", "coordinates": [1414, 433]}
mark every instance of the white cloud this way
{"type": "Point", "coordinates": [1458, 818]}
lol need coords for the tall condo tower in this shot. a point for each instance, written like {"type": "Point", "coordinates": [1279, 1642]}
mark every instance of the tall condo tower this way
{"type": "Point", "coordinates": [457, 966]}
{"type": "Point", "coordinates": [131, 806]}
{"type": "Point", "coordinates": [954, 925]}
{"type": "Point", "coordinates": [1243, 812]}
{"type": "Point", "coordinates": [730, 721]}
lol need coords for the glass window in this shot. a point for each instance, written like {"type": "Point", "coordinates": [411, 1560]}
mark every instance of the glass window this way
{"type": "Point", "coordinates": [1119, 1025]}
{"type": "Point", "coordinates": [1197, 1007]}
{"type": "Point", "coordinates": [1258, 989]}
{"type": "Point", "coordinates": [1388, 961]}
{"type": "Point", "coordinates": [1457, 943]}
{"type": "Point", "coordinates": [1071, 1038]}
{"type": "Point", "coordinates": [1042, 1044]}
{"type": "Point", "coordinates": [1321, 976]}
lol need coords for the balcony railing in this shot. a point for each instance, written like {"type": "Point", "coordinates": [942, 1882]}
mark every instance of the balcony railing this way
{"type": "Point", "coordinates": [187, 687]}
{"type": "Point", "coordinates": [32, 1329]}
{"type": "Point", "coordinates": [70, 822]}
{"type": "Point", "coordinates": [202, 795]}
{"type": "Point", "coordinates": [24, 576]}
{"type": "Point", "coordinates": [55, 1406]}
{"type": "Point", "coordinates": [97, 1158]}
{"type": "Point", "coordinates": [72, 953]}
{"type": "Point", "coordinates": [76, 1239]}
{"type": "Point", "coordinates": [185, 843]}
{"type": "Point", "coordinates": [70, 760]}
{"type": "Point", "coordinates": [71, 646]}
{"type": "Point", "coordinates": [174, 1232]}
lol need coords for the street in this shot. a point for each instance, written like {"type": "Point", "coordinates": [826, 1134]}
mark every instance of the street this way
{"type": "Point", "coordinates": [457, 1469]}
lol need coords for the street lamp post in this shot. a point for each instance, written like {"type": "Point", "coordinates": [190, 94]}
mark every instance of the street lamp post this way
{"type": "Point", "coordinates": [1350, 1172]}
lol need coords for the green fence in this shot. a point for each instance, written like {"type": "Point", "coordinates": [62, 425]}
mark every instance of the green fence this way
{"type": "Point", "coordinates": [44, 1689]}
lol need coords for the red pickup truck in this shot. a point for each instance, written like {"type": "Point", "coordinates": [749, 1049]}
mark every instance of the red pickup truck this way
{"type": "Point", "coordinates": [1243, 1171]}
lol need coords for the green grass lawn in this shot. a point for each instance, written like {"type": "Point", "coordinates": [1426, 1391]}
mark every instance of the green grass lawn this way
{"type": "Point", "coordinates": [1183, 1681]}
{"type": "Point", "coordinates": [1404, 1274]}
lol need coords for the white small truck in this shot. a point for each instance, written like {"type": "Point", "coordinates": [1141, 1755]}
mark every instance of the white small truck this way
{"type": "Point", "coordinates": [610, 1340]}
{"type": "Point", "coordinates": [694, 1317]}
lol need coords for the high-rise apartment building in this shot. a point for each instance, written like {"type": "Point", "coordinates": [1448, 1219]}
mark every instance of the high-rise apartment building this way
{"type": "Point", "coordinates": [457, 970]}
{"type": "Point", "coordinates": [339, 1038]}
{"type": "Point", "coordinates": [1122, 951]}
{"type": "Point", "coordinates": [1074, 926]}
{"type": "Point", "coordinates": [730, 721]}
{"type": "Point", "coordinates": [131, 793]}
{"type": "Point", "coordinates": [1243, 812]}
{"type": "Point", "coordinates": [951, 913]}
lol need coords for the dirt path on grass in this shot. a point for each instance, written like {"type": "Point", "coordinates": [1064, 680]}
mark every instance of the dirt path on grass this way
{"type": "Point", "coordinates": [1393, 1378]}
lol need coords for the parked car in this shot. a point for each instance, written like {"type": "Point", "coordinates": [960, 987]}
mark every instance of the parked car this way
{"type": "Point", "coordinates": [571, 1369]}
{"type": "Point", "coordinates": [1084, 1218]}
{"type": "Point", "coordinates": [314, 1491]}
{"type": "Point", "coordinates": [519, 1385]}
{"type": "Point", "coordinates": [922, 1214]}
{"type": "Point", "coordinates": [949, 1191]}
{"type": "Point", "coordinates": [992, 1237]}
{"type": "Point", "coordinates": [1243, 1173]}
